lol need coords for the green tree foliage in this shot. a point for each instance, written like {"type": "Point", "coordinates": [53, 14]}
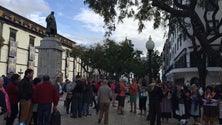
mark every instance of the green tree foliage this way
{"type": "Point", "coordinates": [114, 58]}
{"type": "Point", "coordinates": [84, 54]}
{"type": "Point", "coordinates": [142, 65]}
{"type": "Point", "coordinates": [156, 63]}
{"type": "Point", "coordinates": [179, 16]}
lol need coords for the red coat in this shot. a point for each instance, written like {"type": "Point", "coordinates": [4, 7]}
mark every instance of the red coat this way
{"type": "Point", "coordinates": [97, 86]}
{"type": "Point", "coordinates": [46, 93]}
{"type": "Point", "coordinates": [13, 93]}
{"type": "Point", "coordinates": [34, 91]}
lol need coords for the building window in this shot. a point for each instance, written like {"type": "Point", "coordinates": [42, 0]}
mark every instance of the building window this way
{"type": "Point", "coordinates": [212, 62]}
{"type": "Point", "coordinates": [175, 49]}
{"type": "Point", "coordinates": [31, 40]}
{"type": "Point", "coordinates": [177, 44]}
{"type": "Point", "coordinates": [12, 35]}
{"type": "Point", "coordinates": [193, 62]}
{"type": "Point", "coordinates": [210, 7]}
{"type": "Point", "coordinates": [181, 63]}
{"type": "Point", "coordinates": [213, 28]}
{"type": "Point", "coordinates": [31, 51]}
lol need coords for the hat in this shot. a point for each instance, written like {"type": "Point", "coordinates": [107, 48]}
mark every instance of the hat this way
{"type": "Point", "coordinates": [124, 79]}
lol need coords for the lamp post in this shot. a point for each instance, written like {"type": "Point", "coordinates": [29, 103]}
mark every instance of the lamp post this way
{"type": "Point", "coordinates": [150, 47]}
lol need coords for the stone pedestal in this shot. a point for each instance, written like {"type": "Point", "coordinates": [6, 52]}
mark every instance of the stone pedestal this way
{"type": "Point", "coordinates": [50, 57]}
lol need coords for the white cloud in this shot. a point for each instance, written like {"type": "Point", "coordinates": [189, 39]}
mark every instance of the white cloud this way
{"type": "Point", "coordinates": [60, 14]}
{"type": "Point", "coordinates": [91, 21]}
{"type": "Point", "coordinates": [36, 18]}
{"type": "Point", "coordinates": [83, 39]}
{"type": "Point", "coordinates": [94, 23]}
{"type": "Point", "coordinates": [129, 29]}
{"type": "Point", "coordinates": [34, 10]}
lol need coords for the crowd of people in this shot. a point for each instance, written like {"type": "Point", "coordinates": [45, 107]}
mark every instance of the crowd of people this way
{"type": "Point", "coordinates": [29, 100]}
{"type": "Point", "coordinates": [33, 100]}
{"type": "Point", "coordinates": [185, 103]}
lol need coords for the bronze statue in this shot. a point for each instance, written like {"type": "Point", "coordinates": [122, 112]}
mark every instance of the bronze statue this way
{"type": "Point", "coordinates": [51, 29]}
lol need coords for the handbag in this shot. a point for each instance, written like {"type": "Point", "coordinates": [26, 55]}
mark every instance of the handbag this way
{"type": "Point", "coordinates": [56, 118]}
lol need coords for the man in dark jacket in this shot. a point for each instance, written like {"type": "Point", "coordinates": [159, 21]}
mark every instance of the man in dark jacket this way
{"type": "Point", "coordinates": [155, 97]}
{"type": "Point", "coordinates": [77, 97]}
{"type": "Point", "coordinates": [26, 93]}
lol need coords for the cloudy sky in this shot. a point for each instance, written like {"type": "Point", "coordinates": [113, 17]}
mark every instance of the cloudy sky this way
{"type": "Point", "coordinates": [80, 24]}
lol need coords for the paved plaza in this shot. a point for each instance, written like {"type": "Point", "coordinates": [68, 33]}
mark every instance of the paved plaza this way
{"type": "Point", "coordinates": [114, 118]}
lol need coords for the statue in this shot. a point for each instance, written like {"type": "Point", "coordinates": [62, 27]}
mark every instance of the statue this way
{"type": "Point", "coordinates": [51, 29]}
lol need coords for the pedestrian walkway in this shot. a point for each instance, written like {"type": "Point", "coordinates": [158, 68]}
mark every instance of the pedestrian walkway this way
{"type": "Point", "coordinates": [114, 119]}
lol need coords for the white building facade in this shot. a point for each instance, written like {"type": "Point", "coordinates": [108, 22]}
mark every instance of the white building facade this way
{"type": "Point", "coordinates": [179, 62]}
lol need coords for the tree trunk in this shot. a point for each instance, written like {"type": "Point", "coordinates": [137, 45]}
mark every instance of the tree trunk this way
{"type": "Point", "coordinates": [202, 68]}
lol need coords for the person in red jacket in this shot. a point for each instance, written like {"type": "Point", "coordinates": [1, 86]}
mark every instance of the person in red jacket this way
{"type": "Point", "coordinates": [13, 94]}
{"type": "Point", "coordinates": [45, 95]}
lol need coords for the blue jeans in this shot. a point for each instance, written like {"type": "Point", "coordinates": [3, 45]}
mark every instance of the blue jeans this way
{"type": "Point", "coordinates": [44, 113]}
{"type": "Point", "coordinates": [85, 108]}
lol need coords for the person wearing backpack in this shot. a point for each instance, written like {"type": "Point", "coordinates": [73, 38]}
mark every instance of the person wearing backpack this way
{"type": "Point", "coordinates": [133, 91]}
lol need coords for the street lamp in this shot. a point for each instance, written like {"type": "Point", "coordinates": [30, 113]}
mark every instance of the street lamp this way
{"type": "Point", "coordinates": [150, 47]}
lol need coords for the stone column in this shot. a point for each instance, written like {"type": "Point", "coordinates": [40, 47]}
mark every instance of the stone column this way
{"type": "Point", "coordinates": [50, 57]}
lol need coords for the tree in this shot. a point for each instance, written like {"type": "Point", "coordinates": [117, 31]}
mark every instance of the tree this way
{"type": "Point", "coordinates": [109, 57]}
{"type": "Point", "coordinates": [119, 58]}
{"type": "Point", "coordinates": [175, 14]}
{"type": "Point", "coordinates": [141, 66]}
{"type": "Point", "coordinates": [116, 58]}
{"type": "Point", "coordinates": [156, 63]}
{"type": "Point", "coordinates": [84, 54]}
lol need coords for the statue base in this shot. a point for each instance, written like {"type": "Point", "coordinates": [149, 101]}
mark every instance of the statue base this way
{"type": "Point", "coordinates": [50, 57]}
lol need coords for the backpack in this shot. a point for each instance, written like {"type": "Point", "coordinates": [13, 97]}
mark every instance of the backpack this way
{"type": "Point", "coordinates": [133, 89]}
{"type": "Point", "coordinates": [117, 89]}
